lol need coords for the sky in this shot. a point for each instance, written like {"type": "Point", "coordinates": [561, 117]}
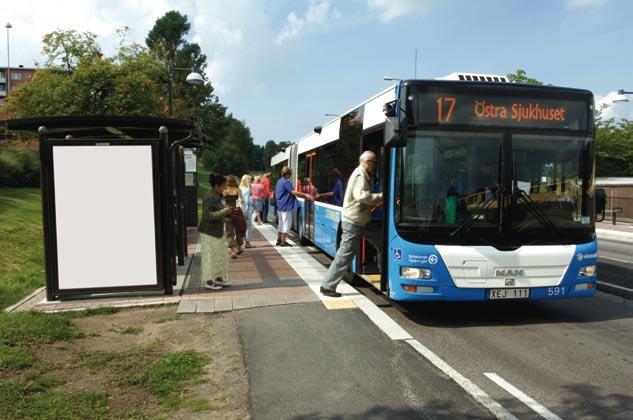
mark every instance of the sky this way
{"type": "Point", "coordinates": [280, 65]}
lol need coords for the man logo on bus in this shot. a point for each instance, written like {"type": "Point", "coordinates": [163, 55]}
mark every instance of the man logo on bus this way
{"type": "Point", "coordinates": [432, 259]}
{"type": "Point", "coordinates": [397, 253]}
{"type": "Point", "coordinates": [505, 272]}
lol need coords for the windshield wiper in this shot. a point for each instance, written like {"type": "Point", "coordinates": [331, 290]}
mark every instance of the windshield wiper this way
{"type": "Point", "coordinates": [468, 222]}
{"type": "Point", "coordinates": [536, 211]}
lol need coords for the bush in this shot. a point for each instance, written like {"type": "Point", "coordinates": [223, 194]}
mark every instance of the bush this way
{"type": "Point", "coordinates": [19, 168]}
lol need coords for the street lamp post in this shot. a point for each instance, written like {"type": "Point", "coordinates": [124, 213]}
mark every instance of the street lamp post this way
{"type": "Point", "coordinates": [621, 96]}
{"type": "Point", "coordinates": [193, 78]}
{"type": "Point", "coordinates": [8, 26]}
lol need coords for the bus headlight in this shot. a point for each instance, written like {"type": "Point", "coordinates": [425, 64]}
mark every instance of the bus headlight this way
{"type": "Point", "coordinates": [587, 271]}
{"type": "Point", "coordinates": [415, 273]}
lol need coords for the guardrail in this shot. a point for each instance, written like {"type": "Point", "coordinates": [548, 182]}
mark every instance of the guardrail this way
{"type": "Point", "coordinates": [617, 208]}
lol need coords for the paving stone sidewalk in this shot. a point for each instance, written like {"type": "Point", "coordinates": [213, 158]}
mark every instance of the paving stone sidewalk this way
{"type": "Point", "coordinates": [259, 277]}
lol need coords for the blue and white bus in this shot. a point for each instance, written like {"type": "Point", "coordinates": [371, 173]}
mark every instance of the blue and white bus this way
{"type": "Point", "coordinates": [488, 188]}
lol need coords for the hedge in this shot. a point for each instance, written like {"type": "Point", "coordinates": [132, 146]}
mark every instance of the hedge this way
{"type": "Point", "coordinates": [19, 168]}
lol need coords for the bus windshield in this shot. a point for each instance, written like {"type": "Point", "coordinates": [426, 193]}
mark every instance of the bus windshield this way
{"type": "Point", "coordinates": [484, 188]}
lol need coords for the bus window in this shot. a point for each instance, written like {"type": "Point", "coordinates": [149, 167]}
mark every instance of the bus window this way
{"type": "Point", "coordinates": [445, 178]}
{"type": "Point", "coordinates": [373, 141]}
{"type": "Point", "coordinates": [549, 170]}
{"type": "Point", "coordinates": [350, 135]}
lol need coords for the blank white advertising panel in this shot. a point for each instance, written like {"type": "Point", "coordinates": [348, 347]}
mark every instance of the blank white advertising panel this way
{"type": "Point", "coordinates": [104, 211]}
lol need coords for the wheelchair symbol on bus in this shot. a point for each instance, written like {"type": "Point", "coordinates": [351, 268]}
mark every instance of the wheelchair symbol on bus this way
{"type": "Point", "coordinates": [397, 253]}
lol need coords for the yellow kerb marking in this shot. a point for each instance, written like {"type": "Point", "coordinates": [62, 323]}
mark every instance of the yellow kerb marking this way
{"type": "Point", "coordinates": [373, 279]}
{"type": "Point", "coordinates": [339, 304]}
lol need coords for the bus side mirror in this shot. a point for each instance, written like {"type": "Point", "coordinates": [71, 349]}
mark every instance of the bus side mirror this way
{"type": "Point", "coordinates": [601, 202]}
{"type": "Point", "coordinates": [389, 109]}
{"type": "Point", "coordinates": [394, 135]}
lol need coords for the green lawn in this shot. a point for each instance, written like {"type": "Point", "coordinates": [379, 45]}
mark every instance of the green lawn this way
{"type": "Point", "coordinates": [21, 244]}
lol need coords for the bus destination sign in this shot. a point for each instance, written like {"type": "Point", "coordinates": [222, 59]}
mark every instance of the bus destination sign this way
{"type": "Point", "coordinates": [506, 111]}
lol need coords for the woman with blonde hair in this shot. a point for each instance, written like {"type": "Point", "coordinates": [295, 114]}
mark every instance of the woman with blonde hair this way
{"type": "Point", "coordinates": [235, 224]}
{"type": "Point", "coordinates": [245, 188]}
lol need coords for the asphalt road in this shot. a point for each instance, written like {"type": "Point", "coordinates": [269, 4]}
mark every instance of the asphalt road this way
{"type": "Point", "coordinates": [574, 357]}
{"type": "Point", "coordinates": [615, 263]}
{"type": "Point", "coordinates": [306, 362]}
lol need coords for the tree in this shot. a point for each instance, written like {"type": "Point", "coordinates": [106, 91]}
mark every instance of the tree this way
{"type": "Point", "coordinates": [227, 143]}
{"type": "Point", "coordinates": [614, 148]}
{"type": "Point", "coordinates": [520, 77]}
{"type": "Point", "coordinates": [65, 49]}
{"type": "Point", "coordinates": [127, 84]}
{"type": "Point", "coordinates": [167, 35]}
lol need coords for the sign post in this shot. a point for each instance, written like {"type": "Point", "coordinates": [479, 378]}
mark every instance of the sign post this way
{"type": "Point", "coordinates": [191, 188]}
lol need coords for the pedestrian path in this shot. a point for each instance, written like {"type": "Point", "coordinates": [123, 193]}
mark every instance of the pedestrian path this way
{"type": "Point", "coordinates": [259, 277]}
{"type": "Point", "coordinates": [618, 233]}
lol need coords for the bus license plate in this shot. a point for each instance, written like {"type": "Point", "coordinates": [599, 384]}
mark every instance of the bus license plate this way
{"type": "Point", "coordinates": [509, 293]}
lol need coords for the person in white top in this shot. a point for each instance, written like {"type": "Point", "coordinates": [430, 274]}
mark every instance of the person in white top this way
{"type": "Point", "coordinates": [357, 206]}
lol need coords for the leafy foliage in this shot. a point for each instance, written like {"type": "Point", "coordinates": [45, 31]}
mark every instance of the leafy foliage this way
{"type": "Point", "coordinates": [79, 80]}
{"type": "Point", "coordinates": [19, 168]}
{"type": "Point", "coordinates": [519, 76]}
{"type": "Point", "coordinates": [123, 85]}
{"type": "Point", "coordinates": [614, 148]}
{"type": "Point", "coordinates": [168, 34]}
{"type": "Point", "coordinates": [64, 50]}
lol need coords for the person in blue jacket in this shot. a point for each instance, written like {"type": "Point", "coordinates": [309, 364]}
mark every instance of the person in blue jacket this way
{"type": "Point", "coordinates": [286, 200]}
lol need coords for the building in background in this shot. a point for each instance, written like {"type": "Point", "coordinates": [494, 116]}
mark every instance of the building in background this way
{"type": "Point", "coordinates": [18, 76]}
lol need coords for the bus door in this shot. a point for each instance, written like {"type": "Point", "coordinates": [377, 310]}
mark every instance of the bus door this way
{"type": "Point", "coordinates": [309, 204]}
{"type": "Point", "coordinates": [369, 261]}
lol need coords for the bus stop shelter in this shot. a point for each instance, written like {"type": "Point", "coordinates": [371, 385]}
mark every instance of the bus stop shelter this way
{"type": "Point", "coordinates": [113, 202]}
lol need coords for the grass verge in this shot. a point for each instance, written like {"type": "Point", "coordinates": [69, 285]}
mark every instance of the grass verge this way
{"type": "Point", "coordinates": [21, 244]}
{"type": "Point", "coordinates": [45, 388]}
{"type": "Point", "coordinates": [34, 397]}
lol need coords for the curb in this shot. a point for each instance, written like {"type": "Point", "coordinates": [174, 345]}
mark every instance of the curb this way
{"type": "Point", "coordinates": [614, 235]}
{"type": "Point", "coordinates": [612, 289]}
{"type": "Point", "coordinates": [23, 300]}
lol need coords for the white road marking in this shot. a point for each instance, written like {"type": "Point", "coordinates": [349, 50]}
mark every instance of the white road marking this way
{"type": "Point", "coordinates": [384, 322]}
{"type": "Point", "coordinates": [472, 389]}
{"type": "Point", "coordinates": [600, 257]}
{"type": "Point", "coordinates": [523, 397]}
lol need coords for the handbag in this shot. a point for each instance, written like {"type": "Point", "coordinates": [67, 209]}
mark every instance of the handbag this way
{"type": "Point", "coordinates": [239, 222]}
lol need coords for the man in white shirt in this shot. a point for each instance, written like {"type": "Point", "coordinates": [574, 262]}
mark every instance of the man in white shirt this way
{"type": "Point", "coordinates": [357, 206]}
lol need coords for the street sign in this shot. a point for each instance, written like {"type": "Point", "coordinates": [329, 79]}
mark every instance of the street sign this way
{"type": "Point", "coordinates": [190, 160]}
